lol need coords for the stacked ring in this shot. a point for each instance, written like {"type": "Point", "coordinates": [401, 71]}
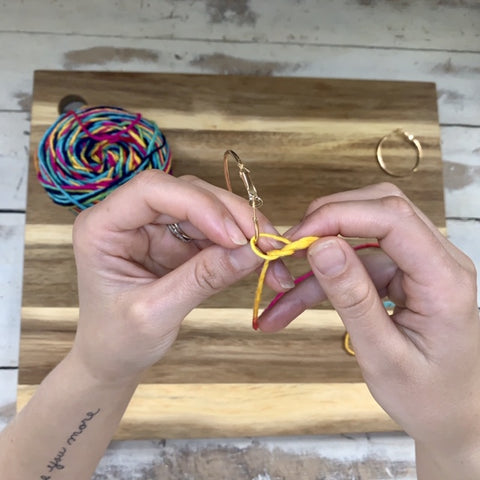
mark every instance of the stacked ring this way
{"type": "Point", "coordinates": [178, 233]}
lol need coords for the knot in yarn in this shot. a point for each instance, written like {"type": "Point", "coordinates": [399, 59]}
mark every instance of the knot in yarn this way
{"type": "Point", "coordinates": [86, 154]}
{"type": "Point", "coordinates": [289, 249]}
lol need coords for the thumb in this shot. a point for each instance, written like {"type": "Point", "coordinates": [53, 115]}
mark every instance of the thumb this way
{"type": "Point", "coordinates": [352, 293]}
{"type": "Point", "coordinates": [209, 272]}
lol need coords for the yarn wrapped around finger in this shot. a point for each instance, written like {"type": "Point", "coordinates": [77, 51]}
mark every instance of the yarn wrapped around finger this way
{"type": "Point", "coordinates": [88, 153]}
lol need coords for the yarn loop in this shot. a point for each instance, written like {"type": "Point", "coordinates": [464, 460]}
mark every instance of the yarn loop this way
{"type": "Point", "coordinates": [289, 249]}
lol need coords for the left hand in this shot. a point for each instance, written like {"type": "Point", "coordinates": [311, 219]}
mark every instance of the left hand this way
{"type": "Point", "coordinates": [137, 281]}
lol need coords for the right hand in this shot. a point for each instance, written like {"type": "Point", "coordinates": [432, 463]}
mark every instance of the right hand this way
{"type": "Point", "coordinates": [422, 363]}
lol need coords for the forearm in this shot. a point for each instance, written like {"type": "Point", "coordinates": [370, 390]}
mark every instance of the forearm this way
{"type": "Point", "coordinates": [452, 464]}
{"type": "Point", "coordinates": [65, 428]}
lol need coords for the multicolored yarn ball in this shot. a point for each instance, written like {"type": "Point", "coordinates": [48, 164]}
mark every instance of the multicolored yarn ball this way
{"type": "Point", "coordinates": [88, 153]}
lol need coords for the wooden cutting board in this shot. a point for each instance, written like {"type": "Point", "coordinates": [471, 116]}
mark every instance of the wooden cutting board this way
{"type": "Point", "coordinates": [302, 138]}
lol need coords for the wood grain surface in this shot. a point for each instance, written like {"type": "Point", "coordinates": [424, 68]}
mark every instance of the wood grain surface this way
{"type": "Point", "coordinates": [212, 410]}
{"type": "Point", "coordinates": [301, 138]}
{"type": "Point", "coordinates": [214, 346]}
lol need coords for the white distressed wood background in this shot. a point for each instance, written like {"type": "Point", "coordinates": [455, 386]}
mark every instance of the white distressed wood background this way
{"type": "Point", "coordinates": [428, 40]}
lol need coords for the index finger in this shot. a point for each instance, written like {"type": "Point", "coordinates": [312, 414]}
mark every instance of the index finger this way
{"type": "Point", "coordinates": [153, 193]}
{"type": "Point", "coordinates": [381, 190]}
{"type": "Point", "coordinates": [401, 233]}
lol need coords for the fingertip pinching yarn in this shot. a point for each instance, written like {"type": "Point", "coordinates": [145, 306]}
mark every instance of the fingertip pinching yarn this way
{"type": "Point", "coordinates": [89, 152]}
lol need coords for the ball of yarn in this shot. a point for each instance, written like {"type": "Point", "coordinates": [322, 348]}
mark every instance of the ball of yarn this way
{"type": "Point", "coordinates": [88, 153]}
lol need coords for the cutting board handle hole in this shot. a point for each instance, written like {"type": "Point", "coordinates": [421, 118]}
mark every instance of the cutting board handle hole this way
{"type": "Point", "coordinates": [71, 102]}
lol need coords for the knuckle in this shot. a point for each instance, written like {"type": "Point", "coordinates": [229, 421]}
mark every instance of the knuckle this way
{"type": "Point", "coordinates": [329, 209]}
{"type": "Point", "coordinates": [89, 234]}
{"type": "Point", "coordinates": [210, 276]}
{"type": "Point", "coordinates": [399, 205]}
{"type": "Point", "coordinates": [356, 300]}
{"type": "Point", "coordinates": [190, 178]}
{"type": "Point", "coordinates": [390, 189]}
{"type": "Point", "coordinates": [315, 204]}
{"type": "Point", "coordinates": [148, 177]}
{"type": "Point", "coordinates": [468, 279]}
{"type": "Point", "coordinates": [200, 187]}
{"type": "Point", "coordinates": [206, 277]}
{"type": "Point", "coordinates": [83, 229]}
{"type": "Point", "coordinates": [460, 280]}
{"type": "Point", "coordinates": [78, 226]}
{"type": "Point", "coordinates": [471, 269]}
{"type": "Point", "coordinates": [139, 313]}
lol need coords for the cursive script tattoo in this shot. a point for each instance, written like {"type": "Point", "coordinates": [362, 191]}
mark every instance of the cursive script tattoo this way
{"type": "Point", "coordinates": [81, 427]}
{"type": "Point", "coordinates": [56, 462]}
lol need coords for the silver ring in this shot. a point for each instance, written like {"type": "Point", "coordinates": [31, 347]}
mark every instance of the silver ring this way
{"type": "Point", "coordinates": [178, 233]}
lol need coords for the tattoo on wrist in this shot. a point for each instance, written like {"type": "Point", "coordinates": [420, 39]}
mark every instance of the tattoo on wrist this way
{"type": "Point", "coordinates": [57, 462]}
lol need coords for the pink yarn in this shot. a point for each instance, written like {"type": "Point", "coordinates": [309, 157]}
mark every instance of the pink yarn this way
{"type": "Point", "coordinates": [309, 274]}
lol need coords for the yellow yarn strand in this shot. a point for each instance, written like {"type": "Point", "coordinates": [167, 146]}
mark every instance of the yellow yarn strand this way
{"type": "Point", "coordinates": [289, 249]}
{"type": "Point", "coordinates": [347, 345]}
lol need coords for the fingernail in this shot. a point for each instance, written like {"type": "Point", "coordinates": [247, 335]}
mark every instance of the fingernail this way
{"type": "Point", "coordinates": [234, 232]}
{"type": "Point", "coordinates": [243, 259]}
{"type": "Point", "coordinates": [283, 276]}
{"type": "Point", "coordinates": [328, 257]}
{"type": "Point", "coordinates": [291, 231]}
{"type": "Point", "coordinates": [269, 243]}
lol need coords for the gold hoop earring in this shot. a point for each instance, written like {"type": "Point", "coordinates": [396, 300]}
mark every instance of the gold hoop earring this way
{"type": "Point", "coordinates": [253, 199]}
{"type": "Point", "coordinates": [410, 139]}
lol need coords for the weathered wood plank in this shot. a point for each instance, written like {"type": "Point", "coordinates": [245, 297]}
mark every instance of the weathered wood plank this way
{"type": "Point", "coordinates": [48, 283]}
{"type": "Point", "coordinates": [335, 126]}
{"type": "Point", "coordinates": [426, 24]}
{"type": "Point", "coordinates": [456, 74]}
{"type": "Point", "coordinates": [327, 129]}
{"type": "Point", "coordinates": [11, 260]}
{"type": "Point", "coordinates": [460, 152]}
{"type": "Point", "coordinates": [465, 234]}
{"type": "Point", "coordinates": [214, 346]}
{"type": "Point", "coordinates": [461, 157]}
{"type": "Point", "coordinates": [14, 140]}
{"type": "Point", "coordinates": [229, 410]}
{"type": "Point", "coordinates": [356, 457]}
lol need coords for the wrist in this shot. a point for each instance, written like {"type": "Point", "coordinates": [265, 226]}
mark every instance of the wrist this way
{"type": "Point", "coordinates": [95, 375]}
{"type": "Point", "coordinates": [450, 462]}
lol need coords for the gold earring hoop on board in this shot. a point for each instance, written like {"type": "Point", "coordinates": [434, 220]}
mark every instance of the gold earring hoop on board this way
{"type": "Point", "coordinates": [410, 139]}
